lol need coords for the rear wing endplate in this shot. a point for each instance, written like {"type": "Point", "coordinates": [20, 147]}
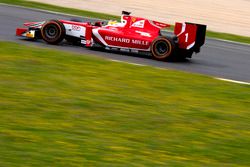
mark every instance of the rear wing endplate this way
{"type": "Point", "coordinates": [190, 35]}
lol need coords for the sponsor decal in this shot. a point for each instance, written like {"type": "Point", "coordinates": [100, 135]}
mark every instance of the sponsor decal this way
{"type": "Point", "coordinates": [76, 28]}
{"type": "Point", "coordinates": [133, 19]}
{"type": "Point", "coordinates": [30, 34]}
{"type": "Point", "coordinates": [160, 24]}
{"type": "Point", "coordinates": [138, 24]}
{"type": "Point", "coordinates": [139, 42]}
{"type": "Point", "coordinates": [143, 33]}
{"type": "Point", "coordinates": [116, 39]}
{"type": "Point", "coordinates": [126, 40]}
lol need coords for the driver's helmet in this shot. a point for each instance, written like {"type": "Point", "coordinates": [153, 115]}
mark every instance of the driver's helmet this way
{"type": "Point", "coordinates": [112, 22]}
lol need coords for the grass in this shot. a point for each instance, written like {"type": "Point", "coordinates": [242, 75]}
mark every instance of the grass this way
{"type": "Point", "coordinates": [218, 35]}
{"type": "Point", "coordinates": [63, 109]}
{"type": "Point", "coordinates": [229, 37]}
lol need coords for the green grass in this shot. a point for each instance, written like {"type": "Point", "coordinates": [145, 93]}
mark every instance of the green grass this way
{"type": "Point", "coordinates": [229, 37]}
{"type": "Point", "coordinates": [63, 109]}
{"type": "Point", "coordinates": [225, 36]}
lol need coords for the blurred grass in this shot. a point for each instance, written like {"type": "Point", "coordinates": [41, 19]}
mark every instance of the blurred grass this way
{"type": "Point", "coordinates": [63, 109]}
{"type": "Point", "coordinates": [229, 37]}
{"type": "Point", "coordinates": [84, 13]}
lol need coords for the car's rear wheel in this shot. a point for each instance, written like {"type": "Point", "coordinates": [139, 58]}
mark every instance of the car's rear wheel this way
{"type": "Point", "coordinates": [162, 48]}
{"type": "Point", "coordinates": [53, 32]}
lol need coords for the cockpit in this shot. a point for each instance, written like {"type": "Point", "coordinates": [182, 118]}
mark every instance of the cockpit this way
{"type": "Point", "coordinates": [115, 23]}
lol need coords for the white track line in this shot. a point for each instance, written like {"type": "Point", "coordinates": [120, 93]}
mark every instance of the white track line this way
{"type": "Point", "coordinates": [160, 68]}
{"type": "Point", "coordinates": [136, 64]}
{"type": "Point", "coordinates": [116, 60]}
{"type": "Point", "coordinates": [222, 79]}
{"type": "Point", "coordinates": [234, 81]}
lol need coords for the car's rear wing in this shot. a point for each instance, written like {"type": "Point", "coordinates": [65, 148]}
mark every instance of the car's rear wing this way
{"type": "Point", "coordinates": [190, 35]}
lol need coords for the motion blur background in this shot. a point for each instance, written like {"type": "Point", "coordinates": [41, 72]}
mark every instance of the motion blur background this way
{"type": "Point", "coordinates": [220, 15]}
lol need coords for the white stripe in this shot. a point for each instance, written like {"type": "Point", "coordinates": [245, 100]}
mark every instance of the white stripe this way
{"type": "Point", "coordinates": [190, 46]}
{"type": "Point", "coordinates": [96, 33]}
{"type": "Point", "coordinates": [234, 81]}
{"type": "Point", "coordinates": [136, 64]}
{"type": "Point", "coordinates": [160, 68]}
{"type": "Point", "coordinates": [119, 61]}
{"type": "Point", "coordinates": [183, 28]}
{"type": "Point", "coordinates": [116, 60]}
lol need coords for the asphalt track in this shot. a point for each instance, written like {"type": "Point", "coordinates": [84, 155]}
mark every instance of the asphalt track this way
{"type": "Point", "coordinates": [217, 58]}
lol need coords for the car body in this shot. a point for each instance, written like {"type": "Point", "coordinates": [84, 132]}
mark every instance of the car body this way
{"type": "Point", "coordinates": [132, 34]}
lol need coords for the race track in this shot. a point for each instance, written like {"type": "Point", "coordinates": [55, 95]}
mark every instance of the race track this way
{"type": "Point", "coordinates": [217, 58]}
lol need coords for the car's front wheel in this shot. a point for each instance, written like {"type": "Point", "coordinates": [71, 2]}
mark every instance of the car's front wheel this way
{"type": "Point", "coordinates": [53, 32]}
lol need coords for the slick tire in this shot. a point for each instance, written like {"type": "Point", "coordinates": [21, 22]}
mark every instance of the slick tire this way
{"type": "Point", "coordinates": [162, 48]}
{"type": "Point", "coordinates": [53, 32]}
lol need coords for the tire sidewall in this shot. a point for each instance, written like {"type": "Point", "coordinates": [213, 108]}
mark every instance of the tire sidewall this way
{"type": "Point", "coordinates": [60, 32]}
{"type": "Point", "coordinates": [164, 56]}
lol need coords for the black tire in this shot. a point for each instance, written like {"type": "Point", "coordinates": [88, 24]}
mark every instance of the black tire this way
{"type": "Point", "coordinates": [162, 48]}
{"type": "Point", "coordinates": [53, 32]}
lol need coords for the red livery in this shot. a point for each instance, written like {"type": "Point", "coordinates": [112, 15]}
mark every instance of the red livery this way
{"type": "Point", "coordinates": [133, 34]}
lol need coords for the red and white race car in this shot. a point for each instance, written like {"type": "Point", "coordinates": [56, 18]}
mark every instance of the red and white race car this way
{"type": "Point", "coordinates": [133, 34]}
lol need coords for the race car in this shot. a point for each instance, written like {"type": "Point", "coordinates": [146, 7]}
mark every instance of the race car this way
{"type": "Point", "coordinates": [131, 34]}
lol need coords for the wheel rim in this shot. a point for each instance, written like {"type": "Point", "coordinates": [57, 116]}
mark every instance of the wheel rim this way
{"type": "Point", "coordinates": [162, 48]}
{"type": "Point", "coordinates": [51, 31]}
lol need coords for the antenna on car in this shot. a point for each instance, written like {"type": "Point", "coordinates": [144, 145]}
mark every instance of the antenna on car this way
{"type": "Point", "coordinates": [126, 13]}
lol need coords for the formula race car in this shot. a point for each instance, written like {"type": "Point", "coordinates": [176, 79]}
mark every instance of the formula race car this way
{"type": "Point", "coordinates": [132, 34]}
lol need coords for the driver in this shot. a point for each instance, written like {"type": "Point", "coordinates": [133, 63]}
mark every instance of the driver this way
{"type": "Point", "coordinates": [115, 23]}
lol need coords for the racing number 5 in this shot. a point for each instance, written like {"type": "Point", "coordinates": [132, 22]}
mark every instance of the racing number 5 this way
{"type": "Point", "coordinates": [186, 39]}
